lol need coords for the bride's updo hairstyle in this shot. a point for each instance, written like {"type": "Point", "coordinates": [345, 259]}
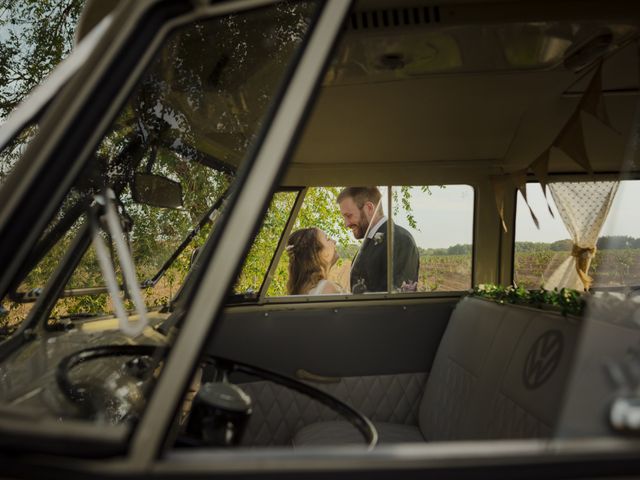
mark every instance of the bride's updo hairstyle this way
{"type": "Point", "coordinates": [305, 265]}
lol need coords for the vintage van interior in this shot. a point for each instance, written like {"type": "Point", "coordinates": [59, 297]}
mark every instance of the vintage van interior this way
{"type": "Point", "coordinates": [489, 96]}
{"type": "Point", "coordinates": [428, 95]}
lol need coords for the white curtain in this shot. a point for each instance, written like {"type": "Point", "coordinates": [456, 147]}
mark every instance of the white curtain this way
{"type": "Point", "coordinates": [583, 207]}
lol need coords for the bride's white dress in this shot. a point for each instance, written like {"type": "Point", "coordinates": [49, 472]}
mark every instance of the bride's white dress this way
{"type": "Point", "coordinates": [317, 290]}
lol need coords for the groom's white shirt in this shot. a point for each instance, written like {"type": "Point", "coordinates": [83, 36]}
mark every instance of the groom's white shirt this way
{"type": "Point", "coordinates": [374, 229]}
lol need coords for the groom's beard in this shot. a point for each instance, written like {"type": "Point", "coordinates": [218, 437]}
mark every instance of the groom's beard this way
{"type": "Point", "coordinates": [361, 228]}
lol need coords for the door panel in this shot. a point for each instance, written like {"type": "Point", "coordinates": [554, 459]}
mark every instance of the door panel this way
{"type": "Point", "coordinates": [379, 354]}
{"type": "Point", "coordinates": [336, 339]}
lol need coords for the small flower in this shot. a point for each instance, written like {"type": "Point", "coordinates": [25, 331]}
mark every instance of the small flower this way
{"type": "Point", "coordinates": [359, 287]}
{"type": "Point", "coordinates": [377, 238]}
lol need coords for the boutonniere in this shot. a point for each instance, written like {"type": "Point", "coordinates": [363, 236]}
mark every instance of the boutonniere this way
{"type": "Point", "coordinates": [377, 238]}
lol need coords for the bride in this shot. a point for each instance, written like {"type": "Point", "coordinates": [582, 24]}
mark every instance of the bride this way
{"type": "Point", "coordinates": [311, 256]}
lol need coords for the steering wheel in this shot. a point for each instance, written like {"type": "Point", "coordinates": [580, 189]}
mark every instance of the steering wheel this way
{"type": "Point", "coordinates": [93, 399]}
{"type": "Point", "coordinates": [81, 394]}
{"type": "Point", "coordinates": [224, 367]}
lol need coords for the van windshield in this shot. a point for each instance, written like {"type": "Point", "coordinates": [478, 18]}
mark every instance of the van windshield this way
{"type": "Point", "coordinates": [157, 179]}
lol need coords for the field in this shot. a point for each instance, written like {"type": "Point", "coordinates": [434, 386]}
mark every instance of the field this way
{"type": "Point", "coordinates": [438, 273]}
{"type": "Point", "coordinates": [611, 267]}
{"type": "Point", "coordinates": [441, 273]}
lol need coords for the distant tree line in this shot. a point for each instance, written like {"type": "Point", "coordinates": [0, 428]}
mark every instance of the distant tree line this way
{"type": "Point", "coordinates": [457, 249]}
{"type": "Point", "coordinates": [613, 242]}
{"type": "Point", "coordinates": [557, 246]}
{"type": "Point", "coordinates": [618, 242]}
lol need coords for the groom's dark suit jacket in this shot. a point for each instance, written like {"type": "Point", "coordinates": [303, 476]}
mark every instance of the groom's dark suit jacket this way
{"type": "Point", "coordinates": [369, 272]}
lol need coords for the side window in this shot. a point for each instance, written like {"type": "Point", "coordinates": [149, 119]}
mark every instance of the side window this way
{"type": "Point", "coordinates": [319, 211]}
{"type": "Point", "coordinates": [432, 241]}
{"type": "Point", "coordinates": [439, 220]}
{"type": "Point", "coordinates": [258, 261]}
{"type": "Point", "coordinates": [589, 241]}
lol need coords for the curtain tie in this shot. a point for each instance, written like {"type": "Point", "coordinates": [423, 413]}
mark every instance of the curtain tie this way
{"type": "Point", "coordinates": [583, 256]}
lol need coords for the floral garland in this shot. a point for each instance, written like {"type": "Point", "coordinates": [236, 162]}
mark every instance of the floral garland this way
{"type": "Point", "coordinates": [565, 300]}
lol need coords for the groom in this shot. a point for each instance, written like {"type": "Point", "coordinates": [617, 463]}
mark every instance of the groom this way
{"type": "Point", "coordinates": [362, 213]}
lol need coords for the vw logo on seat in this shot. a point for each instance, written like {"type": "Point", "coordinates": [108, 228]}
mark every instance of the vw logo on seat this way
{"type": "Point", "coordinates": [543, 358]}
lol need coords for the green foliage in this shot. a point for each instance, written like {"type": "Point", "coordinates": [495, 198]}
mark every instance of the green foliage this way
{"type": "Point", "coordinates": [561, 245]}
{"type": "Point", "coordinates": [165, 128]}
{"type": "Point", "coordinates": [617, 242]}
{"type": "Point", "coordinates": [565, 300]}
{"type": "Point", "coordinates": [82, 304]}
{"type": "Point", "coordinates": [557, 246]}
{"type": "Point", "coordinates": [527, 247]}
{"type": "Point", "coordinates": [347, 251]}
{"type": "Point", "coordinates": [320, 209]}
{"type": "Point", "coordinates": [36, 35]}
{"type": "Point", "coordinates": [260, 256]}
{"type": "Point", "coordinates": [457, 249]}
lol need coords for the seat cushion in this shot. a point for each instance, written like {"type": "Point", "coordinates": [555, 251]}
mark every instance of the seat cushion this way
{"type": "Point", "coordinates": [341, 433]}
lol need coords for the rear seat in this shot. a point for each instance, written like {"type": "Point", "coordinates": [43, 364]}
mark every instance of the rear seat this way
{"type": "Point", "coordinates": [499, 373]}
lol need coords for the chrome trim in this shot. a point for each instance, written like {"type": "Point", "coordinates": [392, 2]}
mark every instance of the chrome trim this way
{"type": "Point", "coordinates": [306, 375]}
{"type": "Point", "coordinates": [359, 298]}
{"type": "Point", "coordinates": [389, 459]}
{"type": "Point", "coordinates": [335, 302]}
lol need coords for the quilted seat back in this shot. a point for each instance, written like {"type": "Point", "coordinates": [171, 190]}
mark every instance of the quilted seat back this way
{"type": "Point", "coordinates": [500, 372]}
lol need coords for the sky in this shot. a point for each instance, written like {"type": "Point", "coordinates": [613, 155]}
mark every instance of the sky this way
{"type": "Point", "coordinates": [445, 217]}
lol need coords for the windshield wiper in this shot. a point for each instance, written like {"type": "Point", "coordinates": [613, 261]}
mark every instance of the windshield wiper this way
{"type": "Point", "coordinates": [210, 216]}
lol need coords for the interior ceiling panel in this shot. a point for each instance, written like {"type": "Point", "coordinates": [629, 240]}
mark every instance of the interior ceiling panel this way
{"type": "Point", "coordinates": [425, 99]}
{"type": "Point", "coordinates": [444, 118]}
{"type": "Point", "coordinates": [504, 120]}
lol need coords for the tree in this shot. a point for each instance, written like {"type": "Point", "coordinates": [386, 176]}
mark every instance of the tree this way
{"type": "Point", "coordinates": [615, 242]}
{"type": "Point", "coordinates": [459, 249]}
{"type": "Point", "coordinates": [34, 36]}
{"type": "Point", "coordinates": [526, 247]}
{"type": "Point", "coordinates": [561, 245]}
